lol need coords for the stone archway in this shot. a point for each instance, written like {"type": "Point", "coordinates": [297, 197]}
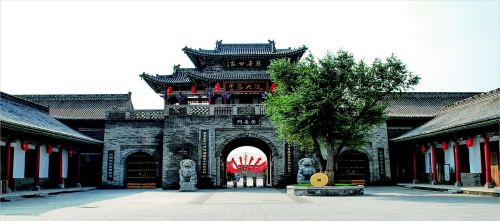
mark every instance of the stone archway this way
{"type": "Point", "coordinates": [240, 140]}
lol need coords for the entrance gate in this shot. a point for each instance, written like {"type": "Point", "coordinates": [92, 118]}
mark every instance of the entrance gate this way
{"type": "Point", "coordinates": [352, 167]}
{"type": "Point", "coordinates": [225, 160]}
{"type": "Point", "coordinates": [141, 171]}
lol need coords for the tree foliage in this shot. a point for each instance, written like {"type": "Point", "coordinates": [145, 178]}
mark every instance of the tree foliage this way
{"type": "Point", "coordinates": [333, 102]}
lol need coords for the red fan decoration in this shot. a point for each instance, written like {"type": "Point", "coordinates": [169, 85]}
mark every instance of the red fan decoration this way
{"type": "Point", "coordinates": [423, 149]}
{"type": "Point", "coordinates": [255, 167]}
{"type": "Point", "coordinates": [170, 90]}
{"type": "Point", "coordinates": [444, 146]}
{"type": "Point", "coordinates": [273, 86]}
{"type": "Point", "coordinates": [469, 142]}
{"type": "Point", "coordinates": [217, 87]}
{"type": "Point", "coordinates": [24, 146]}
{"type": "Point", "coordinates": [49, 149]}
{"type": "Point", "coordinates": [193, 90]}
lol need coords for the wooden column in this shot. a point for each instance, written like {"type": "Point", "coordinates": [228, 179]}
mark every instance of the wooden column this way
{"type": "Point", "coordinates": [78, 184]}
{"type": "Point", "coordinates": [36, 183]}
{"type": "Point", "coordinates": [458, 181]}
{"type": "Point", "coordinates": [415, 166]}
{"type": "Point", "coordinates": [61, 179]}
{"type": "Point", "coordinates": [434, 175]}
{"type": "Point", "coordinates": [8, 161]}
{"type": "Point", "coordinates": [487, 166]}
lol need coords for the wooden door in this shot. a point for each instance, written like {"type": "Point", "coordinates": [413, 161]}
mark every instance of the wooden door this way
{"type": "Point", "coordinates": [495, 176]}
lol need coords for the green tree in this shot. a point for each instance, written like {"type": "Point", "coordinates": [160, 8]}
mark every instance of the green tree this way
{"type": "Point", "coordinates": [334, 102]}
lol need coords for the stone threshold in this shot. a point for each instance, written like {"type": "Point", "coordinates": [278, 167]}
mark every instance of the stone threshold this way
{"type": "Point", "coordinates": [18, 195]}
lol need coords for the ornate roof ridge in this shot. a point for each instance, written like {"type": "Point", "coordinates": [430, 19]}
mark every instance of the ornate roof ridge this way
{"type": "Point", "coordinates": [77, 96]}
{"type": "Point", "coordinates": [476, 98]}
{"type": "Point", "coordinates": [20, 100]}
{"type": "Point", "coordinates": [437, 94]}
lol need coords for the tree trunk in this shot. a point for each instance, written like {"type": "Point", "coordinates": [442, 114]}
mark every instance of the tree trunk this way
{"type": "Point", "coordinates": [317, 150]}
{"type": "Point", "coordinates": [330, 164]}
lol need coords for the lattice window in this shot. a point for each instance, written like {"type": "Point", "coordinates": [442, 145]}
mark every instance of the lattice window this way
{"type": "Point", "coordinates": [116, 116]}
{"type": "Point", "coordinates": [200, 110]}
{"type": "Point", "coordinates": [146, 115]}
{"type": "Point", "coordinates": [246, 110]}
{"type": "Point", "coordinates": [177, 111]}
{"type": "Point", "coordinates": [223, 110]}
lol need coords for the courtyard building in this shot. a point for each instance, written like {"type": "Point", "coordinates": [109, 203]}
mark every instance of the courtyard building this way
{"type": "Point", "coordinates": [37, 151]}
{"type": "Point", "coordinates": [459, 146]}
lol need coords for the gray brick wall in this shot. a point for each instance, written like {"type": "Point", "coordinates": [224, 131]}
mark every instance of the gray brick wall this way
{"type": "Point", "coordinates": [162, 138]}
{"type": "Point", "coordinates": [181, 130]}
{"type": "Point", "coordinates": [128, 137]}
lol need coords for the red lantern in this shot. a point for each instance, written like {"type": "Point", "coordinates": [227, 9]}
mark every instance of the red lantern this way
{"type": "Point", "coordinates": [444, 146]}
{"type": "Point", "coordinates": [193, 90]}
{"type": "Point", "coordinates": [217, 87]}
{"type": "Point", "coordinates": [170, 90]}
{"type": "Point", "coordinates": [70, 152]}
{"type": "Point", "coordinates": [24, 146]}
{"type": "Point", "coordinates": [469, 142]}
{"type": "Point", "coordinates": [423, 149]}
{"type": "Point", "coordinates": [273, 86]}
{"type": "Point", "coordinates": [49, 149]}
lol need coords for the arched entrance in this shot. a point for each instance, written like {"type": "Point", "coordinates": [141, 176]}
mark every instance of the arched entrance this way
{"type": "Point", "coordinates": [249, 167]}
{"type": "Point", "coordinates": [141, 171]}
{"type": "Point", "coordinates": [353, 167]}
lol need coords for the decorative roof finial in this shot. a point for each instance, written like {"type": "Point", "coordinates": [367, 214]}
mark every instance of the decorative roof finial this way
{"type": "Point", "coordinates": [218, 43]}
{"type": "Point", "coordinates": [273, 44]}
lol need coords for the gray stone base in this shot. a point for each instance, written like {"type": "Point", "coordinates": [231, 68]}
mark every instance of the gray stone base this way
{"type": "Point", "coordinates": [187, 187]}
{"type": "Point", "coordinates": [326, 190]}
{"type": "Point", "coordinates": [471, 179]}
{"type": "Point", "coordinates": [36, 188]}
{"type": "Point", "coordinates": [60, 186]}
{"type": "Point", "coordinates": [78, 185]}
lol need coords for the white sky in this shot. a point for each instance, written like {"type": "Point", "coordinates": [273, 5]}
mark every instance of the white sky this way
{"type": "Point", "coordinates": [75, 47]}
{"type": "Point", "coordinates": [249, 151]}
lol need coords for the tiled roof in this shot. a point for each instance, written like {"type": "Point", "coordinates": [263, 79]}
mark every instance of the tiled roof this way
{"type": "Point", "coordinates": [229, 75]}
{"type": "Point", "coordinates": [256, 50]}
{"type": "Point", "coordinates": [159, 82]}
{"type": "Point", "coordinates": [82, 106]}
{"type": "Point", "coordinates": [187, 76]}
{"type": "Point", "coordinates": [474, 112]}
{"type": "Point", "coordinates": [423, 104]}
{"type": "Point", "coordinates": [25, 116]}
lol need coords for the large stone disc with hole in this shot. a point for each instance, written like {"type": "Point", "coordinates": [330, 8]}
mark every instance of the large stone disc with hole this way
{"type": "Point", "coordinates": [319, 179]}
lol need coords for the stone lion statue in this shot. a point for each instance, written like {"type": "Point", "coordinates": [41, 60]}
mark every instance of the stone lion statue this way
{"type": "Point", "coordinates": [307, 167]}
{"type": "Point", "coordinates": [187, 172]}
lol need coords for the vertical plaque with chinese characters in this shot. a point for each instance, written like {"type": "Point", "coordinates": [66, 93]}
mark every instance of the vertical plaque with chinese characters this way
{"type": "Point", "coordinates": [204, 145]}
{"type": "Point", "coordinates": [111, 164]}
{"type": "Point", "coordinates": [289, 158]}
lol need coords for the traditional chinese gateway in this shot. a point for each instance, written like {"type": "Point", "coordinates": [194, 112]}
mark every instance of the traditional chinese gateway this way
{"type": "Point", "coordinates": [216, 107]}
{"type": "Point", "coordinates": [210, 110]}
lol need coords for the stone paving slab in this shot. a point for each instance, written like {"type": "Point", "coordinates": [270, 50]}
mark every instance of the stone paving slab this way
{"type": "Point", "coordinates": [495, 192]}
{"type": "Point", "coordinates": [17, 195]}
{"type": "Point", "coordinates": [378, 203]}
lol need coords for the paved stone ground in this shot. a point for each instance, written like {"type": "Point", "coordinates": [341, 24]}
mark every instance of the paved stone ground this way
{"type": "Point", "coordinates": [379, 203]}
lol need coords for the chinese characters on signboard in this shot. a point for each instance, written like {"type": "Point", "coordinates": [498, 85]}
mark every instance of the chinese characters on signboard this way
{"type": "Point", "coordinates": [245, 86]}
{"type": "Point", "coordinates": [289, 158]}
{"type": "Point", "coordinates": [246, 121]}
{"type": "Point", "coordinates": [111, 163]}
{"type": "Point", "coordinates": [246, 63]}
{"type": "Point", "coordinates": [204, 152]}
